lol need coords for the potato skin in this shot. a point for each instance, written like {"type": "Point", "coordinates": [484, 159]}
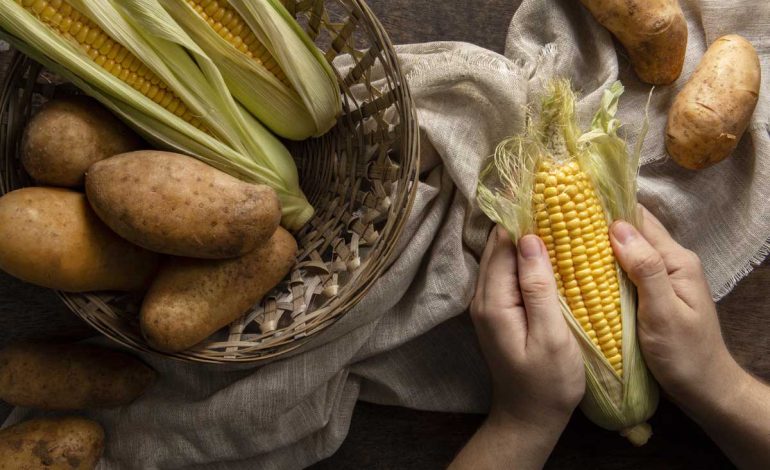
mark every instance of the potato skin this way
{"type": "Point", "coordinates": [654, 32]}
{"type": "Point", "coordinates": [52, 238]}
{"type": "Point", "coordinates": [713, 110]}
{"type": "Point", "coordinates": [70, 443]}
{"type": "Point", "coordinates": [175, 204]}
{"type": "Point", "coordinates": [69, 134]}
{"type": "Point", "coordinates": [192, 298]}
{"type": "Point", "coordinates": [70, 376]}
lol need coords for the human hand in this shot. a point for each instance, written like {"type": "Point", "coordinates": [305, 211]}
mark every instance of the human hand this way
{"type": "Point", "coordinates": [677, 322]}
{"type": "Point", "coordinates": [537, 369]}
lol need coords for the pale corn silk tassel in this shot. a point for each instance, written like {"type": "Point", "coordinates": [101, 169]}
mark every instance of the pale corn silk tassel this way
{"type": "Point", "coordinates": [567, 186]}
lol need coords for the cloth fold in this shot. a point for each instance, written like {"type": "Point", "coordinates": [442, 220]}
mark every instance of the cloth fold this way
{"type": "Point", "coordinates": [408, 341]}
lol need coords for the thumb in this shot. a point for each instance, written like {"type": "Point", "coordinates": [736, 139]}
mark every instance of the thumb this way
{"type": "Point", "coordinates": [644, 266]}
{"type": "Point", "coordinates": [538, 290]}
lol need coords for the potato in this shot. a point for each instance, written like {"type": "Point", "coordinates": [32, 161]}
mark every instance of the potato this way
{"type": "Point", "coordinates": [70, 376]}
{"type": "Point", "coordinates": [192, 298]}
{"type": "Point", "coordinates": [52, 443]}
{"type": "Point", "coordinates": [654, 32]}
{"type": "Point", "coordinates": [67, 136]}
{"type": "Point", "coordinates": [51, 237]}
{"type": "Point", "coordinates": [174, 204]}
{"type": "Point", "coordinates": [714, 108]}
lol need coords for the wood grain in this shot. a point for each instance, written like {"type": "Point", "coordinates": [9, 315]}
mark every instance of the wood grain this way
{"type": "Point", "coordinates": [384, 437]}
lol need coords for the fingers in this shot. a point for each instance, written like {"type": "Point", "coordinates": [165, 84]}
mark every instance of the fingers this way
{"type": "Point", "coordinates": [538, 291]}
{"type": "Point", "coordinates": [684, 267]}
{"type": "Point", "coordinates": [496, 309]}
{"type": "Point", "coordinates": [484, 262]}
{"type": "Point", "coordinates": [501, 286]}
{"type": "Point", "coordinates": [675, 256]}
{"type": "Point", "coordinates": [644, 265]}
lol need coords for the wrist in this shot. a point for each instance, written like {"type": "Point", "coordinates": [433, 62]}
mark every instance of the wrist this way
{"type": "Point", "coordinates": [532, 422]}
{"type": "Point", "coordinates": [718, 392]}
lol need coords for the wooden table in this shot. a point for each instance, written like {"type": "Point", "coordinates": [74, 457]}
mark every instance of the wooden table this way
{"type": "Point", "coordinates": [384, 437]}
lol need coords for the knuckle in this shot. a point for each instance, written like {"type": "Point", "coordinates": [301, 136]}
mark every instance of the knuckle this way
{"type": "Point", "coordinates": [692, 260]}
{"type": "Point", "coordinates": [534, 285]}
{"type": "Point", "coordinates": [648, 265]}
{"type": "Point", "coordinates": [484, 312]}
{"type": "Point", "coordinates": [560, 343]}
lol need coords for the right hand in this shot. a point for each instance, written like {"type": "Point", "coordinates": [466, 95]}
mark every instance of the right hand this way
{"type": "Point", "coordinates": [678, 327]}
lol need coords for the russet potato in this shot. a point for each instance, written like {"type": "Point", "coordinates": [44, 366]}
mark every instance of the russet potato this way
{"type": "Point", "coordinates": [192, 298]}
{"type": "Point", "coordinates": [52, 238]}
{"type": "Point", "coordinates": [177, 205]}
{"type": "Point", "coordinates": [49, 376]}
{"type": "Point", "coordinates": [67, 136]}
{"type": "Point", "coordinates": [713, 110]}
{"type": "Point", "coordinates": [69, 443]}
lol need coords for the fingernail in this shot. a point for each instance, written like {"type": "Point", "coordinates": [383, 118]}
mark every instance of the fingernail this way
{"type": "Point", "coordinates": [623, 232]}
{"type": "Point", "coordinates": [530, 246]}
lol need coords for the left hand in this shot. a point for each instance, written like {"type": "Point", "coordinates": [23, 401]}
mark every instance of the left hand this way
{"type": "Point", "coordinates": [537, 369]}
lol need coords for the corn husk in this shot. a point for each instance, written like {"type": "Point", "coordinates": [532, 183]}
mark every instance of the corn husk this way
{"type": "Point", "coordinates": [309, 107]}
{"type": "Point", "coordinates": [234, 141]}
{"type": "Point", "coordinates": [505, 194]}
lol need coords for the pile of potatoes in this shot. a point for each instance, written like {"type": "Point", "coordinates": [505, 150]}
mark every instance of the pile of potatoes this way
{"type": "Point", "coordinates": [64, 378]}
{"type": "Point", "coordinates": [201, 245]}
{"type": "Point", "coordinates": [713, 110]}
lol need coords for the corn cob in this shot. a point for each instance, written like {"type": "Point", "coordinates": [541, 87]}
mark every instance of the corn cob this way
{"type": "Point", "coordinates": [229, 25]}
{"type": "Point", "coordinates": [108, 54]}
{"type": "Point", "coordinates": [571, 221]}
{"type": "Point", "coordinates": [565, 186]}
{"type": "Point", "coordinates": [270, 64]}
{"type": "Point", "coordinates": [138, 61]}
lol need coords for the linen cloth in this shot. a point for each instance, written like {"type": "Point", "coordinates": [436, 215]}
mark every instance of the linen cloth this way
{"type": "Point", "coordinates": [409, 342]}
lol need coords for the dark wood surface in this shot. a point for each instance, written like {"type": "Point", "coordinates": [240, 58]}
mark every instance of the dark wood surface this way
{"type": "Point", "coordinates": [383, 437]}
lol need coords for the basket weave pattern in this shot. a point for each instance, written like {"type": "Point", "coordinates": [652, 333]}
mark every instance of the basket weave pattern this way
{"type": "Point", "coordinates": [360, 177]}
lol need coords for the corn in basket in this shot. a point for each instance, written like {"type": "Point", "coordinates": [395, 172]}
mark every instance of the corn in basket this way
{"type": "Point", "coordinates": [346, 190]}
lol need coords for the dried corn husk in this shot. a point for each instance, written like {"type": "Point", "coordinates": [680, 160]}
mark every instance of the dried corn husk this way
{"type": "Point", "coordinates": [307, 107]}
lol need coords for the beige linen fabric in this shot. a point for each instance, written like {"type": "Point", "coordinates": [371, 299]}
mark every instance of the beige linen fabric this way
{"type": "Point", "coordinates": [409, 342]}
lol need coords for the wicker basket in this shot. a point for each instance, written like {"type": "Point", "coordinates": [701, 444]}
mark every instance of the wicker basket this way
{"type": "Point", "coordinates": [360, 177]}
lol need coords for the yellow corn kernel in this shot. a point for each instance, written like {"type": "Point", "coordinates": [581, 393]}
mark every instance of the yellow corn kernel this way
{"type": "Point", "coordinates": [231, 27]}
{"type": "Point", "coordinates": [104, 51]}
{"type": "Point", "coordinates": [571, 221]}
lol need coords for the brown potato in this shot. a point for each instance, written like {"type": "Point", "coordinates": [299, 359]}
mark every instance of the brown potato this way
{"type": "Point", "coordinates": [654, 32]}
{"type": "Point", "coordinates": [70, 443]}
{"type": "Point", "coordinates": [191, 298]}
{"type": "Point", "coordinates": [70, 376]}
{"type": "Point", "coordinates": [174, 204]}
{"type": "Point", "coordinates": [69, 134]}
{"type": "Point", "coordinates": [51, 237]}
{"type": "Point", "coordinates": [714, 108]}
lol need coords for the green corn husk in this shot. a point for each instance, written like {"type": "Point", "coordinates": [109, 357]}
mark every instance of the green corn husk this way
{"type": "Point", "coordinates": [505, 193]}
{"type": "Point", "coordinates": [235, 142]}
{"type": "Point", "coordinates": [309, 107]}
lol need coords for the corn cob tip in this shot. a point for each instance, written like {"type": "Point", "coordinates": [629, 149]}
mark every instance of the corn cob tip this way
{"type": "Point", "coordinates": [638, 435]}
